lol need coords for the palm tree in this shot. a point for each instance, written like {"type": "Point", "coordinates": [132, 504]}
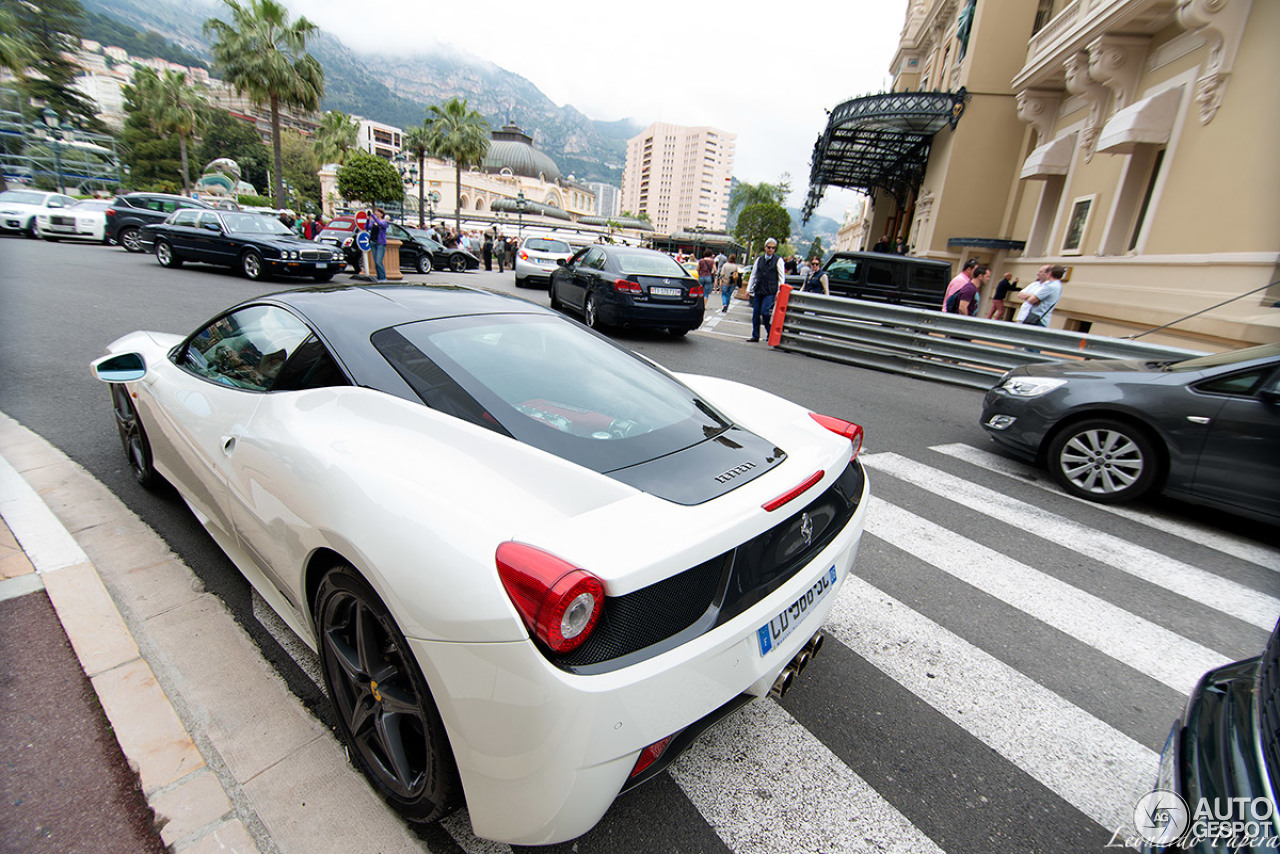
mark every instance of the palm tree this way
{"type": "Point", "coordinates": [458, 134]}
{"type": "Point", "coordinates": [15, 53]}
{"type": "Point", "coordinates": [417, 141]}
{"type": "Point", "coordinates": [744, 195]}
{"type": "Point", "coordinates": [180, 110]}
{"type": "Point", "coordinates": [336, 136]}
{"type": "Point", "coordinates": [263, 55]}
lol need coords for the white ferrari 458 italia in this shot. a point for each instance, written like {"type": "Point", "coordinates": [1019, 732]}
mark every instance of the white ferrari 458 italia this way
{"type": "Point", "coordinates": [534, 565]}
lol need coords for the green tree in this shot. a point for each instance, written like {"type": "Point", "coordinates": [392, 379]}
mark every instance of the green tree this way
{"type": "Point", "coordinates": [180, 112]}
{"type": "Point", "coordinates": [301, 171]}
{"type": "Point", "coordinates": [368, 178]}
{"type": "Point", "coordinates": [744, 194]}
{"type": "Point", "coordinates": [15, 51]}
{"type": "Point", "coordinates": [50, 31]}
{"type": "Point", "coordinates": [761, 221]}
{"type": "Point", "coordinates": [264, 56]}
{"type": "Point", "coordinates": [417, 142]}
{"type": "Point", "coordinates": [337, 135]}
{"type": "Point", "coordinates": [460, 134]}
{"type": "Point", "coordinates": [815, 250]}
{"type": "Point", "coordinates": [154, 158]}
{"type": "Point", "coordinates": [227, 136]}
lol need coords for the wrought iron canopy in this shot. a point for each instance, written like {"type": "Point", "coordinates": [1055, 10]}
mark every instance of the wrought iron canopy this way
{"type": "Point", "coordinates": [880, 142]}
{"type": "Point", "coordinates": [530, 207]}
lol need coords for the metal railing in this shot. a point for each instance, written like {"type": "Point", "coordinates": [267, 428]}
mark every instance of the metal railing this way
{"type": "Point", "coordinates": [949, 348]}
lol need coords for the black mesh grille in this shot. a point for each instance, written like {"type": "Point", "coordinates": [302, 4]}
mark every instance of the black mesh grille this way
{"type": "Point", "coordinates": [654, 619]}
{"type": "Point", "coordinates": [1269, 703]}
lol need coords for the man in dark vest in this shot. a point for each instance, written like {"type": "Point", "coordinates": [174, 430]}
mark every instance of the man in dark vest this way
{"type": "Point", "coordinates": [766, 275]}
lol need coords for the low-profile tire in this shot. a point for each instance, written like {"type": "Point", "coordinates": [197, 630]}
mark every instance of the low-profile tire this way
{"type": "Point", "coordinates": [521, 283]}
{"type": "Point", "coordinates": [424, 264]}
{"type": "Point", "coordinates": [32, 231]}
{"type": "Point", "coordinates": [457, 263]}
{"type": "Point", "coordinates": [133, 437]}
{"type": "Point", "coordinates": [591, 314]}
{"type": "Point", "coordinates": [166, 256]}
{"type": "Point", "coordinates": [253, 267]}
{"type": "Point", "coordinates": [130, 239]}
{"type": "Point", "coordinates": [386, 715]}
{"type": "Point", "coordinates": [1104, 460]}
{"type": "Point", "coordinates": [556, 305]}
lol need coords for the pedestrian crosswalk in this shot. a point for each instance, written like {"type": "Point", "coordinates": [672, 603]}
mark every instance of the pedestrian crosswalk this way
{"type": "Point", "coordinates": [972, 697]}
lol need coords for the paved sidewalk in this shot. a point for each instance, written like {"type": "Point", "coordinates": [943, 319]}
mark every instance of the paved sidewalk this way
{"type": "Point", "coordinates": [226, 756]}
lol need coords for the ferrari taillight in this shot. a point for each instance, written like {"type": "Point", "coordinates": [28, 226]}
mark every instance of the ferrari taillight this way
{"type": "Point", "coordinates": [626, 286]}
{"type": "Point", "coordinates": [848, 429]}
{"type": "Point", "coordinates": [558, 602]}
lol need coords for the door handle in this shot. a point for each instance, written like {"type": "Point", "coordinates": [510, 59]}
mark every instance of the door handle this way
{"type": "Point", "coordinates": [228, 445]}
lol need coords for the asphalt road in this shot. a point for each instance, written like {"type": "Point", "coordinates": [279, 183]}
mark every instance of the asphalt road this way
{"type": "Point", "coordinates": [1001, 673]}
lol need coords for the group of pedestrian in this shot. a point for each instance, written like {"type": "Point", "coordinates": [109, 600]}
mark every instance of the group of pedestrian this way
{"type": "Point", "coordinates": [307, 226]}
{"type": "Point", "coordinates": [1039, 299]}
{"type": "Point", "coordinates": [889, 247]}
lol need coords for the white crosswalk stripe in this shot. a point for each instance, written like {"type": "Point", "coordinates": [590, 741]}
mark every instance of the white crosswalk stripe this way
{"type": "Point", "coordinates": [1191, 582]}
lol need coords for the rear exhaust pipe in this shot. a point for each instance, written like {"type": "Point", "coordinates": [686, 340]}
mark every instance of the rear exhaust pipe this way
{"type": "Point", "coordinates": [815, 644]}
{"type": "Point", "coordinates": [783, 683]}
{"type": "Point", "coordinates": [789, 673]}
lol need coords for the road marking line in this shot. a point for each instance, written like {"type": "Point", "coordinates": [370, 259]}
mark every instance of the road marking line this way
{"type": "Point", "coordinates": [1133, 641]}
{"type": "Point", "coordinates": [1255, 553]}
{"type": "Point", "coordinates": [1097, 769]}
{"type": "Point", "coordinates": [1241, 602]}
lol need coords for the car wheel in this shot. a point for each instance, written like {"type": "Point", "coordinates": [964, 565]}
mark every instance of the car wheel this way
{"type": "Point", "coordinates": [457, 263]}
{"type": "Point", "coordinates": [166, 256]}
{"type": "Point", "coordinates": [385, 712]}
{"type": "Point", "coordinates": [32, 230]}
{"type": "Point", "coordinates": [590, 315]}
{"type": "Point", "coordinates": [1104, 460]}
{"type": "Point", "coordinates": [130, 239]}
{"type": "Point", "coordinates": [424, 264]}
{"type": "Point", "coordinates": [556, 305]}
{"type": "Point", "coordinates": [50, 239]}
{"type": "Point", "coordinates": [133, 437]}
{"type": "Point", "coordinates": [252, 267]}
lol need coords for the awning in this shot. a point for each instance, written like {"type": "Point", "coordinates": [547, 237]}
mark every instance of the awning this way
{"type": "Point", "coordinates": [531, 208]}
{"type": "Point", "coordinates": [618, 221]}
{"type": "Point", "coordinates": [1052, 158]}
{"type": "Point", "coordinates": [880, 142]}
{"type": "Point", "coordinates": [1147, 122]}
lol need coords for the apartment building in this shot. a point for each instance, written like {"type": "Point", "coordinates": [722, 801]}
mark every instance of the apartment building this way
{"type": "Point", "coordinates": [679, 176]}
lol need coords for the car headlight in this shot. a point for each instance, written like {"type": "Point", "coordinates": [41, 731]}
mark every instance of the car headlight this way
{"type": "Point", "coordinates": [1031, 386]}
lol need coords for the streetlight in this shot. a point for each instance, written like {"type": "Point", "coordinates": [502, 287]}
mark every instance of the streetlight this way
{"type": "Point", "coordinates": [55, 134]}
{"type": "Point", "coordinates": [433, 199]}
{"type": "Point", "coordinates": [520, 206]}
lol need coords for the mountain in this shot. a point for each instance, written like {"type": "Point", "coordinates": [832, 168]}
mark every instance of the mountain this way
{"type": "Point", "coordinates": [397, 89]}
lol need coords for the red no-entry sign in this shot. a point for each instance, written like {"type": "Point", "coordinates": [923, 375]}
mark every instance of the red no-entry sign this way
{"type": "Point", "coordinates": [362, 219]}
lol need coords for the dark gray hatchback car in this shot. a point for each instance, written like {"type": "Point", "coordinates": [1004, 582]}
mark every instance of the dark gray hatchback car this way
{"type": "Point", "coordinates": [1205, 429]}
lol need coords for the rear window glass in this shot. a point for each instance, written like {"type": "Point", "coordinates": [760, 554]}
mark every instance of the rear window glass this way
{"type": "Point", "coordinates": [344, 225]}
{"type": "Point", "coordinates": [549, 384]}
{"type": "Point", "coordinates": [650, 264]}
{"type": "Point", "coordinates": [541, 244]}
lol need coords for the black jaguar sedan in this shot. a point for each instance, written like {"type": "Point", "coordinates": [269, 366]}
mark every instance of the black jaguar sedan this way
{"type": "Point", "coordinates": [256, 244]}
{"type": "Point", "coordinates": [1205, 429]}
{"type": "Point", "coordinates": [625, 286]}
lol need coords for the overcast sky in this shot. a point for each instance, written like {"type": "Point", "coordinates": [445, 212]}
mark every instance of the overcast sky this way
{"type": "Point", "coordinates": [767, 71]}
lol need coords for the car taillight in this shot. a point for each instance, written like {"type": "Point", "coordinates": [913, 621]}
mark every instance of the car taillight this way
{"type": "Point", "coordinates": [625, 286]}
{"type": "Point", "coordinates": [650, 755]}
{"type": "Point", "coordinates": [695, 291]}
{"type": "Point", "coordinates": [558, 602]}
{"type": "Point", "coordinates": [110, 212]}
{"type": "Point", "coordinates": [794, 493]}
{"type": "Point", "coordinates": [848, 429]}
{"type": "Point", "coordinates": [524, 256]}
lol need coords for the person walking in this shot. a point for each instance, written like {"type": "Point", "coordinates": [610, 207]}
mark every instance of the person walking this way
{"type": "Point", "coordinates": [961, 279]}
{"type": "Point", "coordinates": [767, 274]}
{"type": "Point", "coordinates": [727, 280]}
{"type": "Point", "coordinates": [707, 272]}
{"type": "Point", "coordinates": [815, 279]}
{"type": "Point", "coordinates": [377, 228]}
{"type": "Point", "coordinates": [486, 250]}
{"type": "Point", "coordinates": [965, 300]}
{"type": "Point", "coordinates": [500, 250]}
{"type": "Point", "coordinates": [1004, 287]}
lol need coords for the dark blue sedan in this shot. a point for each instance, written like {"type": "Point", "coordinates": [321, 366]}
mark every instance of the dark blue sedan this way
{"type": "Point", "coordinates": [258, 245]}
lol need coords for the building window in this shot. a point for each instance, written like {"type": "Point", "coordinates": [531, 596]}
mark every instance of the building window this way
{"type": "Point", "coordinates": [1078, 225]}
{"type": "Point", "coordinates": [1044, 14]}
{"type": "Point", "coordinates": [1146, 200]}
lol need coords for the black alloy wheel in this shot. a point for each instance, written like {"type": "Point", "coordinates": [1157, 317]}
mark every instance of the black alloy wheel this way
{"type": "Point", "coordinates": [457, 263]}
{"type": "Point", "coordinates": [1104, 460]}
{"type": "Point", "coordinates": [252, 267]}
{"type": "Point", "coordinates": [424, 263]}
{"type": "Point", "coordinates": [133, 437]}
{"type": "Point", "coordinates": [166, 256]}
{"type": "Point", "coordinates": [130, 239]}
{"type": "Point", "coordinates": [385, 712]}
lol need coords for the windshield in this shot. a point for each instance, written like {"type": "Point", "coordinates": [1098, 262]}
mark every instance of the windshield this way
{"type": "Point", "coordinates": [549, 384]}
{"type": "Point", "coordinates": [252, 223]}
{"type": "Point", "coordinates": [650, 264]}
{"type": "Point", "coordinates": [24, 197]}
{"type": "Point", "coordinates": [542, 244]}
{"type": "Point", "coordinates": [1231, 357]}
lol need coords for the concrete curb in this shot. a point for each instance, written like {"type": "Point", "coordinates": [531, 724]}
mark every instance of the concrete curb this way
{"type": "Point", "coordinates": [228, 757]}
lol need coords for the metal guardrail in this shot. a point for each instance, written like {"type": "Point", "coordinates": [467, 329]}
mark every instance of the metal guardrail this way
{"type": "Point", "coordinates": [949, 348]}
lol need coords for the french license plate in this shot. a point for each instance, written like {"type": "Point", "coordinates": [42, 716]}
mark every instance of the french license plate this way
{"type": "Point", "coordinates": [665, 292]}
{"type": "Point", "coordinates": [322, 265]}
{"type": "Point", "coordinates": [780, 627]}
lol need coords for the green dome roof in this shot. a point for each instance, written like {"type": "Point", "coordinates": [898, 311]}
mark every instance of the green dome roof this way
{"type": "Point", "coordinates": [512, 148]}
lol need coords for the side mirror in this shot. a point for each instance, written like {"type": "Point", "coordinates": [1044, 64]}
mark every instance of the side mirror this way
{"type": "Point", "coordinates": [122, 368]}
{"type": "Point", "coordinates": [561, 262]}
{"type": "Point", "coordinates": [212, 226]}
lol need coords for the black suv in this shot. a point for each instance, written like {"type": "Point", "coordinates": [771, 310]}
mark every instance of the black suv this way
{"type": "Point", "coordinates": [131, 211]}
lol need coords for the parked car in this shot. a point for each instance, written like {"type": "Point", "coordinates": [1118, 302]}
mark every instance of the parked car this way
{"type": "Point", "coordinates": [880, 277]}
{"type": "Point", "coordinates": [1204, 429]}
{"type": "Point", "coordinates": [536, 259]}
{"type": "Point", "coordinates": [627, 286]}
{"type": "Point", "coordinates": [453, 494]}
{"type": "Point", "coordinates": [419, 250]}
{"type": "Point", "coordinates": [259, 246]}
{"type": "Point", "coordinates": [85, 220]}
{"type": "Point", "coordinates": [19, 209]}
{"type": "Point", "coordinates": [131, 211]}
{"type": "Point", "coordinates": [456, 260]}
{"type": "Point", "coordinates": [1222, 759]}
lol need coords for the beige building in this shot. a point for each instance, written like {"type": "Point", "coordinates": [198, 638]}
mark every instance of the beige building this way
{"type": "Point", "coordinates": [679, 176]}
{"type": "Point", "coordinates": [378, 139]}
{"type": "Point", "coordinates": [1129, 140]}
